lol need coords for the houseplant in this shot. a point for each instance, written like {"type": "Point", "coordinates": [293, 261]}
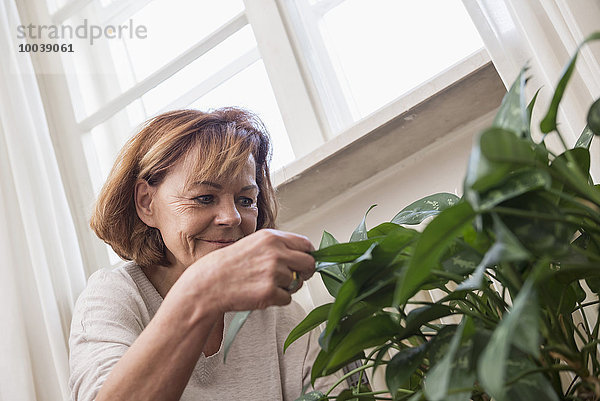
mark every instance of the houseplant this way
{"type": "Point", "coordinates": [517, 259]}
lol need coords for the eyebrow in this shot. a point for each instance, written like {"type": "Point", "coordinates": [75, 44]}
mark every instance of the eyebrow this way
{"type": "Point", "coordinates": [219, 186]}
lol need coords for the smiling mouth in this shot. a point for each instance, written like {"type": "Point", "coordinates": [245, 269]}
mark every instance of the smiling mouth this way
{"type": "Point", "coordinates": [218, 241]}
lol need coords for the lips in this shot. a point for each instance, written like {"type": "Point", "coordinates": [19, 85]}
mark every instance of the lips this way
{"type": "Point", "coordinates": [218, 241]}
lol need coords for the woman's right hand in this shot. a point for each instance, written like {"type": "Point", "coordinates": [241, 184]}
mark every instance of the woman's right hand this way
{"type": "Point", "coordinates": [253, 273]}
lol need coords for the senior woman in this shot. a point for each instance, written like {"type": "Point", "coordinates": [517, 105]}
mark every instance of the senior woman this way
{"type": "Point", "coordinates": [190, 204]}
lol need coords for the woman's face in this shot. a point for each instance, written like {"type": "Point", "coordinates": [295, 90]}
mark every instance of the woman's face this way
{"type": "Point", "coordinates": [205, 216]}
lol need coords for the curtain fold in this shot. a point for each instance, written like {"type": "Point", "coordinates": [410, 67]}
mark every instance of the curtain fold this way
{"type": "Point", "coordinates": [41, 267]}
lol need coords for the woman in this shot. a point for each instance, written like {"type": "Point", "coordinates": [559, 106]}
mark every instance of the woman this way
{"type": "Point", "coordinates": [183, 203]}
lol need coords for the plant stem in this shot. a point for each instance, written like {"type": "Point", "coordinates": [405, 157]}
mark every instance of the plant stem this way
{"type": "Point", "coordinates": [551, 368]}
{"type": "Point", "coordinates": [347, 375]}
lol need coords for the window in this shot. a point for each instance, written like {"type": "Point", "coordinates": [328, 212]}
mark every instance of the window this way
{"type": "Point", "coordinates": [365, 54]}
{"type": "Point", "coordinates": [311, 69]}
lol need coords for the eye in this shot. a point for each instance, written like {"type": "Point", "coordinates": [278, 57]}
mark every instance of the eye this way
{"type": "Point", "coordinates": [204, 199]}
{"type": "Point", "coordinates": [247, 202]}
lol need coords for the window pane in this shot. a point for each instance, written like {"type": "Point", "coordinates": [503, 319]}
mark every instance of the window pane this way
{"type": "Point", "coordinates": [198, 71]}
{"type": "Point", "coordinates": [378, 50]}
{"type": "Point", "coordinates": [173, 27]}
{"type": "Point", "coordinates": [252, 90]}
{"type": "Point", "coordinates": [103, 68]}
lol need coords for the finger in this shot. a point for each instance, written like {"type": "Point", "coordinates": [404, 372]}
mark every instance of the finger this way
{"type": "Point", "coordinates": [294, 241]}
{"type": "Point", "coordinates": [281, 297]}
{"type": "Point", "coordinates": [298, 261]}
{"type": "Point", "coordinates": [295, 284]}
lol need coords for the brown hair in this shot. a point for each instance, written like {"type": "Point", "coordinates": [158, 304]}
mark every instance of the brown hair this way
{"type": "Point", "coordinates": [224, 138]}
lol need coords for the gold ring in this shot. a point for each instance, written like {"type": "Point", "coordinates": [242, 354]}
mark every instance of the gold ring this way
{"type": "Point", "coordinates": [295, 282]}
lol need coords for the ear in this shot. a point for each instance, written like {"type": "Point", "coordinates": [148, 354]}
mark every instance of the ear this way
{"type": "Point", "coordinates": [144, 196]}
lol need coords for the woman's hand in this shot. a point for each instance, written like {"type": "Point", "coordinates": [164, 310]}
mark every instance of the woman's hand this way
{"type": "Point", "coordinates": [255, 272]}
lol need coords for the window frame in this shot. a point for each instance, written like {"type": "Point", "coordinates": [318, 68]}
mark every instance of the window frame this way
{"type": "Point", "coordinates": [303, 111]}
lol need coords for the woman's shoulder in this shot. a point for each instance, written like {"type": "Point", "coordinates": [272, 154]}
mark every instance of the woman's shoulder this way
{"type": "Point", "coordinates": [112, 295]}
{"type": "Point", "coordinates": [112, 281]}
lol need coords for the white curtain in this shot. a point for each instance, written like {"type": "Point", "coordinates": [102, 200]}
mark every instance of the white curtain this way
{"type": "Point", "coordinates": [544, 34]}
{"type": "Point", "coordinates": [40, 265]}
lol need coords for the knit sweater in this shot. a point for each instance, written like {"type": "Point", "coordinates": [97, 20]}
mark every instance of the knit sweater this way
{"type": "Point", "coordinates": [118, 304]}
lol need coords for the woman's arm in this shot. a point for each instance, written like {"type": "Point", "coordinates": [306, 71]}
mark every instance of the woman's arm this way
{"type": "Point", "coordinates": [250, 274]}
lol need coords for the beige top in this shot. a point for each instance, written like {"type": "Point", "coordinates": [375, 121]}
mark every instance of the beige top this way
{"type": "Point", "coordinates": [118, 304]}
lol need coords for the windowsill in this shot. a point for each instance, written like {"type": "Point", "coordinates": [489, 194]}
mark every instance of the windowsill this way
{"type": "Point", "coordinates": [460, 94]}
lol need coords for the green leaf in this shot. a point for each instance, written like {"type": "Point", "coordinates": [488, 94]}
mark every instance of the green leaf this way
{"type": "Point", "coordinates": [513, 115]}
{"type": "Point", "coordinates": [516, 184]}
{"type": "Point", "coordinates": [402, 366]}
{"type": "Point", "coordinates": [313, 396]}
{"type": "Point", "coordinates": [585, 139]}
{"type": "Point", "coordinates": [383, 254]}
{"type": "Point", "coordinates": [431, 205]}
{"type": "Point", "coordinates": [530, 111]}
{"type": "Point", "coordinates": [531, 387]}
{"type": "Point", "coordinates": [234, 327]}
{"type": "Point", "coordinates": [548, 124]}
{"type": "Point", "coordinates": [332, 275]}
{"type": "Point", "coordinates": [430, 247]}
{"type": "Point", "coordinates": [311, 321]}
{"type": "Point", "coordinates": [371, 332]}
{"type": "Point", "coordinates": [463, 262]}
{"type": "Point", "coordinates": [506, 248]}
{"type": "Point", "coordinates": [492, 366]}
{"type": "Point", "coordinates": [593, 117]}
{"type": "Point", "coordinates": [382, 230]}
{"type": "Point", "coordinates": [501, 146]}
{"type": "Point", "coordinates": [482, 174]}
{"type": "Point", "coordinates": [360, 233]}
{"type": "Point", "coordinates": [572, 167]}
{"type": "Point", "coordinates": [345, 252]}
{"type": "Point", "coordinates": [422, 315]}
{"type": "Point", "coordinates": [438, 377]}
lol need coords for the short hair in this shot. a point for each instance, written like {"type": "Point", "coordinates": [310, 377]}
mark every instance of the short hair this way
{"type": "Point", "coordinates": [224, 138]}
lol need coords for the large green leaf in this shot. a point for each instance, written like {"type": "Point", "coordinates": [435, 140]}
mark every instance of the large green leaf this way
{"type": "Point", "coordinates": [530, 111]}
{"type": "Point", "coordinates": [422, 315]}
{"type": "Point", "coordinates": [438, 377]}
{"type": "Point", "coordinates": [501, 146]}
{"type": "Point", "coordinates": [345, 252]}
{"type": "Point", "coordinates": [332, 275]}
{"type": "Point", "coordinates": [402, 366]}
{"type": "Point", "coordinates": [548, 123]}
{"type": "Point", "coordinates": [534, 386]}
{"type": "Point", "coordinates": [311, 321]}
{"type": "Point", "coordinates": [382, 256]}
{"type": "Point", "coordinates": [492, 366]}
{"type": "Point", "coordinates": [593, 117]}
{"type": "Point", "coordinates": [426, 207]}
{"type": "Point", "coordinates": [516, 184]}
{"type": "Point", "coordinates": [482, 174]}
{"type": "Point", "coordinates": [572, 168]}
{"type": "Point", "coordinates": [463, 261]}
{"type": "Point", "coordinates": [513, 115]}
{"type": "Point", "coordinates": [507, 248]}
{"type": "Point", "coordinates": [234, 327]}
{"type": "Point", "coordinates": [382, 230]}
{"type": "Point", "coordinates": [360, 233]}
{"type": "Point", "coordinates": [372, 331]}
{"type": "Point", "coordinates": [430, 248]}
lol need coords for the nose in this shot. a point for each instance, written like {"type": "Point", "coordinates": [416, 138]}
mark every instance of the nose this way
{"type": "Point", "coordinates": [227, 214]}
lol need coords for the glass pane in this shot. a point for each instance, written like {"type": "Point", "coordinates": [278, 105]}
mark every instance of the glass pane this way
{"type": "Point", "coordinates": [199, 70]}
{"type": "Point", "coordinates": [102, 68]}
{"type": "Point", "coordinates": [379, 50]}
{"type": "Point", "coordinates": [252, 90]}
{"type": "Point", "coordinates": [174, 26]}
